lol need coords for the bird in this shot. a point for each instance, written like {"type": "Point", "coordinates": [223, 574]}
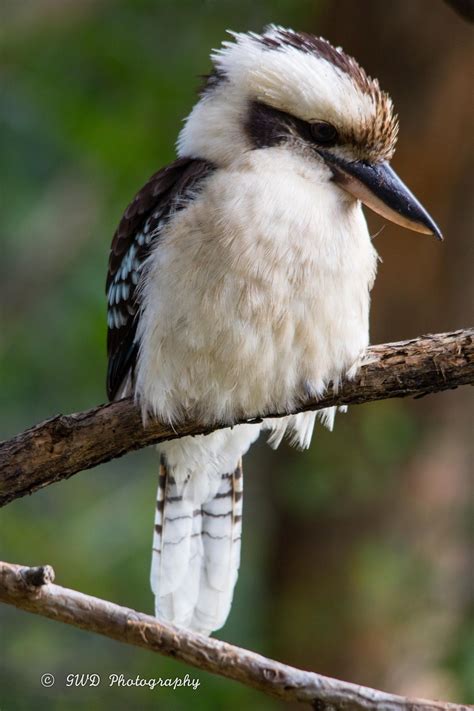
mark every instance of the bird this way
{"type": "Point", "coordinates": [239, 285]}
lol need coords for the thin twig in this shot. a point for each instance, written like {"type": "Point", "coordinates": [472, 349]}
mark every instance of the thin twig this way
{"type": "Point", "coordinates": [22, 588]}
{"type": "Point", "coordinates": [66, 444]}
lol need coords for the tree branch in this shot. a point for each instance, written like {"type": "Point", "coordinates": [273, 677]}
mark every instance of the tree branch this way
{"type": "Point", "coordinates": [66, 444]}
{"type": "Point", "coordinates": [32, 589]}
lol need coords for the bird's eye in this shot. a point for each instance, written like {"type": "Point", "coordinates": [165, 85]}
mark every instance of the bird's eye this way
{"type": "Point", "coordinates": [324, 133]}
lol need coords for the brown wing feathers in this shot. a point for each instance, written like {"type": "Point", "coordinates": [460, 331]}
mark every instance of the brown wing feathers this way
{"type": "Point", "coordinates": [168, 190]}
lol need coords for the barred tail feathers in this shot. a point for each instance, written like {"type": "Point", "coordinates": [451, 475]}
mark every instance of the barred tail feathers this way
{"type": "Point", "coordinates": [221, 534]}
{"type": "Point", "coordinates": [198, 522]}
{"type": "Point", "coordinates": [176, 551]}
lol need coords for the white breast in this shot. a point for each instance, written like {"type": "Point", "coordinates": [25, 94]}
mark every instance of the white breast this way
{"type": "Point", "coordinates": [257, 294]}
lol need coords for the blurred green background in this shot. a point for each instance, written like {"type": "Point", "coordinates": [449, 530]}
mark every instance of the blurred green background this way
{"type": "Point", "coordinates": [356, 555]}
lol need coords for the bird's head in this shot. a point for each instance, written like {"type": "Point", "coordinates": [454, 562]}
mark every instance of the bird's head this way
{"type": "Point", "coordinates": [292, 89]}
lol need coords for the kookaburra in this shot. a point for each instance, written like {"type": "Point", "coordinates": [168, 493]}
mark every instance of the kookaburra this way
{"type": "Point", "coordinates": [239, 281]}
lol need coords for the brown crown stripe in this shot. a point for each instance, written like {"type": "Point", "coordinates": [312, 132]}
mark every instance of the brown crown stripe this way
{"type": "Point", "coordinates": [310, 44]}
{"type": "Point", "coordinates": [304, 42]}
{"type": "Point", "coordinates": [375, 140]}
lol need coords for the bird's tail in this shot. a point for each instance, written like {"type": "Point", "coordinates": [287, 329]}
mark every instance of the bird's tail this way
{"type": "Point", "coordinates": [196, 547]}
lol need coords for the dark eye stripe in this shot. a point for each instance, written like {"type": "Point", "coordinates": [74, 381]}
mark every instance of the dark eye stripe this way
{"type": "Point", "coordinates": [267, 127]}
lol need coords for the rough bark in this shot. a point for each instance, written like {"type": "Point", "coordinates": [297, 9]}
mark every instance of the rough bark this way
{"type": "Point", "coordinates": [32, 589]}
{"type": "Point", "coordinates": [66, 444]}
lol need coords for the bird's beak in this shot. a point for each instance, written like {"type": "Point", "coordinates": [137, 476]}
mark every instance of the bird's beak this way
{"type": "Point", "coordinates": [379, 187]}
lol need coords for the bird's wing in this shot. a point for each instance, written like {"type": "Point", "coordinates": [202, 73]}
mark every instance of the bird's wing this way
{"type": "Point", "coordinates": [164, 194]}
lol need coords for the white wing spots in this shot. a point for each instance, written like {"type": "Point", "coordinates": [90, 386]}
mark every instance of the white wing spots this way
{"type": "Point", "coordinates": [125, 291]}
{"type": "Point", "coordinates": [132, 263]}
{"type": "Point", "coordinates": [115, 318]}
{"type": "Point", "coordinates": [147, 234]}
{"type": "Point", "coordinates": [120, 290]}
{"type": "Point", "coordinates": [128, 275]}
